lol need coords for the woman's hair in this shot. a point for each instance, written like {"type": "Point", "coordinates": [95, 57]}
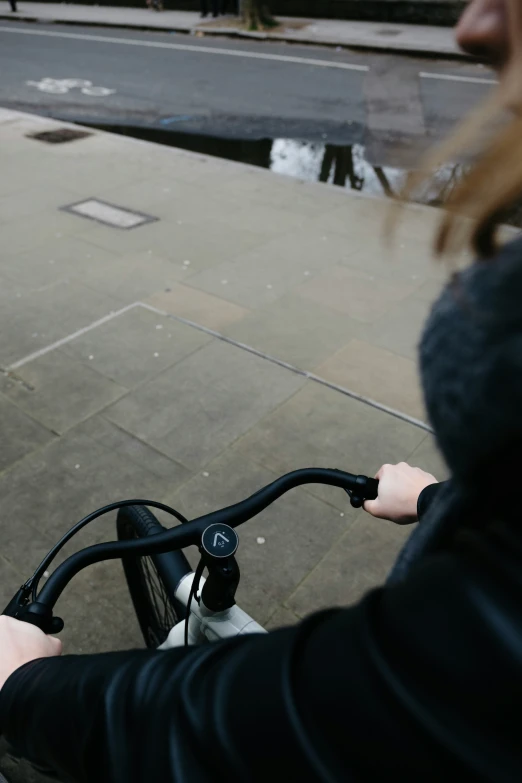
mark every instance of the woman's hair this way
{"type": "Point", "coordinates": [492, 185]}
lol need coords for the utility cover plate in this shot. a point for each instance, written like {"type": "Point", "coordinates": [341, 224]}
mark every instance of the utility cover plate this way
{"type": "Point", "coordinates": [109, 214]}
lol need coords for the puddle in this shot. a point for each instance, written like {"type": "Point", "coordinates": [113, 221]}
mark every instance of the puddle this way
{"type": "Point", "coordinates": [342, 166]}
{"type": "Point", "coordinates": [347, 167]}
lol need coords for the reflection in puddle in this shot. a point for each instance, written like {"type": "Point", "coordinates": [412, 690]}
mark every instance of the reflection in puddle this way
{"type": "Point", "coordinates": [347, 167]}
{"type": "Point", "coordinates": [344, 166]}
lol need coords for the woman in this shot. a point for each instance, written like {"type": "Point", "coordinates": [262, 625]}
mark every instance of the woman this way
{"type": "Point", "coordinates": [420, 681]}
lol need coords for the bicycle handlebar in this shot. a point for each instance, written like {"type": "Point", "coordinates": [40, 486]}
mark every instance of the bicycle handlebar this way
{"type": "Point", "coordinates": [358, 487]}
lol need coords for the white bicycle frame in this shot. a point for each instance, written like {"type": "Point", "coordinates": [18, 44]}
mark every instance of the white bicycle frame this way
{"type": "Point", "coordinates": [206, 625]}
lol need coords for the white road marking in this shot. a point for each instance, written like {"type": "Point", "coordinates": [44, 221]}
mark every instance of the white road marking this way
{"type": "Point", "coordinates": [449, 77]}
{"type": "Point", "coordinates": [62, 86]}
{"type": "Point", "coordinates": [188, 48]}
{"type": "Point", "coordinates": [97, 92]}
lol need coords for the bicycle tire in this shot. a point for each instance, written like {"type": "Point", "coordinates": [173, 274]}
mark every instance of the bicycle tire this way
{"type": "Point", "coordinates": [152, 581]}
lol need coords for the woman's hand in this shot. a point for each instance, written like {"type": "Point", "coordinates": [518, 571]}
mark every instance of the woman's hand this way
{"type": "Point", "coordinates": [21, 643]}
{"type": "Point", "coordinates": [399, 489]}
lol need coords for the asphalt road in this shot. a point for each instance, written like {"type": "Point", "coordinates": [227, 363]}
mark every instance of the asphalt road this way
{"type": "Point", "coordinates": [247, 90]}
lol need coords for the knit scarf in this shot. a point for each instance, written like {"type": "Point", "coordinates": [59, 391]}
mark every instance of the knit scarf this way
{"type": "Point", "coordinates": [471, 369]}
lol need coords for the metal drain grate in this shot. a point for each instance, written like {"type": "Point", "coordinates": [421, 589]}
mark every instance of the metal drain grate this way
{"type": "Point", "coordinates": [59, 136]}
{"type": "Point", "coordinates": [109, 214]}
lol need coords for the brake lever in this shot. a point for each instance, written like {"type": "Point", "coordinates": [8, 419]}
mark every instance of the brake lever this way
{"type": "Point", "coordinates": [22, 609]}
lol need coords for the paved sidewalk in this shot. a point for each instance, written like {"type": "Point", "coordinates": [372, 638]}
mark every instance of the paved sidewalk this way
{"type": "Point", "coordinates": [258, 325]}
{"type": "Point", "coordinates": [416, 39]}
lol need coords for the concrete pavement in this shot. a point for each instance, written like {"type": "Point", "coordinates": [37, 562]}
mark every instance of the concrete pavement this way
{"type": "Point", "coordinates": [415, 39]}
{"type": "Point", "coordinates": [256, 326]}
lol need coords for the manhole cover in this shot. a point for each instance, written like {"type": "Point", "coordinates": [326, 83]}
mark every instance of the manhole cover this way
{"type": "Point", "coordinates": [109, 214]}
{"type": "Point", "coordinates": [388, 31]}
{"type": "Point", "coordinates": [59, 136]}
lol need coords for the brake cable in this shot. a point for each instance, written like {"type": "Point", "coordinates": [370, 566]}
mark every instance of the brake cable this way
{"type": "Point", "coordinates": [31, 586]}
{"type": "Point", "coordinates": [193, 594]}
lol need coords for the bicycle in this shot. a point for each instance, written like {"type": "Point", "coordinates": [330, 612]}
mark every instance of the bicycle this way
{"type": "Point", "coordinates": [174, 604]}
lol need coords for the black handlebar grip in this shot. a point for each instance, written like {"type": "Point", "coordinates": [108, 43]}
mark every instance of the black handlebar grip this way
{"type": "Point", "coordinates": [42, 616]}
{"type": "Point", "coordinates": [372, 489]}
{"type": "Point", "coordinates": [363, 488]}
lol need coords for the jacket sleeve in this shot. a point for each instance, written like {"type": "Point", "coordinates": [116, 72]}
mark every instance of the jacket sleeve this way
{"type": "Point", "coordinates": [427, 496]}
{"type": "Point", "coordinates": [417, 682]}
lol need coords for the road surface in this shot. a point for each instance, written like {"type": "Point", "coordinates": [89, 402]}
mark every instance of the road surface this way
{"type": "Point", "coordinates": [234, 89]}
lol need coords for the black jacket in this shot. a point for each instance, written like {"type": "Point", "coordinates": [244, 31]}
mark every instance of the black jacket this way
{"type": "Point", "coordinates": [421, 681]}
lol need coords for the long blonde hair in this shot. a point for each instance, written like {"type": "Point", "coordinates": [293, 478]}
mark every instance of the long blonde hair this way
{"type": "Point", "coordinates": [493, 184]}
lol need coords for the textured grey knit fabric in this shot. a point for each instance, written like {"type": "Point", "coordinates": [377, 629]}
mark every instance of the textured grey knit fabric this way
{"type": "Point", "coordinates": [471, 368]}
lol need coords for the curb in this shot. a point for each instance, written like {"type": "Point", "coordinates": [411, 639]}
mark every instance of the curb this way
{"type": "Point", "coordinates": [229, 32]}
{"type": "Point", "coordinates": [354, 45]}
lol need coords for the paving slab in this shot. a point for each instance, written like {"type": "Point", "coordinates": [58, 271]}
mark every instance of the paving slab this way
{"type": "Point", "coordinates": [97, 609]}
{"type": "Point", "coordinates": [258, 277]}
{"type": "Point", "coordinates": [10, 581]}
{"type": "Point", "coordinates": [111, 437]}
{"type": "Point", "coordinates": [82, 390]}
{"type": "Point", "coordinates": [44, 227]}
{"type": "Point", "coordinates": [130, 276]}
{"type": "Point", "coordinates": [20, 433]}
{"type": "Point", "coordinates": [322, 427]}
{"type": "Point", "coordinates": [400, 329]}
{"type": "Point", "coordinates": [282, 618]}
{"type": "Point", "coordinates": [135, 347]}
{"type": "Point", "coordinates": [192, 411]}
{"type": "Point", "coordinates": [54, 487]}
{"type": "Point", "coordinates": [298, 333]}
{"type": "Point", "coordinates": [51, 263]}
{"type": "Point", "coordinates": [309, 248]}
{"type": "Point", "coordinates": [428, 457]}
{"type": "Point", "coordinates": [39, 316]}
{"type": "Point", "coordinates": [398, 259]}
{"type": "Point", "coordinates": [198, 306]}
{"type": "Point", "coordinates": [360, 295]}
{"type": "Point", "coordinates": [30, 202]}
{"type": "Point", "coordinates": [357, 563]}
{"type": "Point", "coordinates": [177, 241]}
{"type": "Point", "coordinates": [378, 374]}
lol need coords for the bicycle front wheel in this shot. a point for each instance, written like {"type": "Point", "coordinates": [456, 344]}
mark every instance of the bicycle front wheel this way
{"type": "Point", "coordinates": [153, 580]}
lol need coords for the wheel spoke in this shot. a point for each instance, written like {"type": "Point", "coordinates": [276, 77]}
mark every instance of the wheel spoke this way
{"type": "Point", "coordinates": [153, 602]}
{"type": "Point", "coordinates": [164, 617]}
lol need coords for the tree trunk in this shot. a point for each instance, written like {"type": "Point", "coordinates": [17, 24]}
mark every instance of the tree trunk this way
{"type": "Point", "coordinates": [255, 15]}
